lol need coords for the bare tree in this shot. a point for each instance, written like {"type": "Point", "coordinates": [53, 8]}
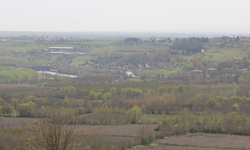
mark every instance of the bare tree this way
{"type": "Point", "coordinates": [52, 134]}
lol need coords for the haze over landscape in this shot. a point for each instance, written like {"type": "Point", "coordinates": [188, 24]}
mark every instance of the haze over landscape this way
{"type": "Point", "coordinates": [178, 16]}
{"type": "Point", "coordinates": [124, 75]}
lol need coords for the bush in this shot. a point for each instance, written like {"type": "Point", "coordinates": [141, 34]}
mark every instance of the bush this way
{"type": "Point", "coordinates": [134, 114]}
{"type": "Point", "coordinates": [7, 109]}
{"type": "Point", "coordinates": [27, 109]}
{"type": "Point", "coordinates": [146, 136]}
{"type": "Point", "coordinates": [211, 102]}
{"type": "Point", "coordinates": [65, 103]}
{"type": "Point", "coordinates": [131, 92]}
{"type": "Point", "coordinates": [143, 109]}
{"type": "Point", "coordinates": [113, 91]}
{"type": "Point", "coordinates": [67, 91]}
{"type": "Point", "coordinates": [108, 96]}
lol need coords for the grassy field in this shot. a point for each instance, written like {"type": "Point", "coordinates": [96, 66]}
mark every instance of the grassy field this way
{"type": "Point", "coordinates": [16, 74]}
{"type": "Point", "coordinates": [154, 72]}
{"type": "Point", "coordinates": [218, 53]}
{"type": "Point", "coordinates": [80, 60]}
{"type": "Point", "coordinates": [20, 46]}
{"type": "Point", "coordinates": [128, 47]}
{"type": "Point", "coordinates": [4, 68]}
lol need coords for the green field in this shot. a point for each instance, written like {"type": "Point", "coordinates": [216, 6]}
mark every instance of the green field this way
{"type": "Point", "coordinates": [80, 60]}
{"type": "Point", "coordinates": [17, 74]}
{"type": "Point", "coordinates": [20, 46]}
{"type": "Point", "coordinates": [218, 53]}
{"type": "Point", "coordinates": [154, 72]}
{"type": "Point", "coordinates": [128, 47]}
{"type": "Point", "coordinates": [4, 68]}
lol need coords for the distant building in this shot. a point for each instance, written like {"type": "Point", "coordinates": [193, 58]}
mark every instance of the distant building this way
{"type": "Point", "coordinates": [238, 58]}
{"type": "Point", "coordinates": [56, 52]}
{"type": "Point", "coordinates": [61, 48]}
{"type": "Point", "coordinates": [212, 69]}
{"type": "Point", "coordinates": [130, 74]}
{"type": "Point", "coordinates": [198, 71]}
{"type": "Point", "coordinates": [244, 69]}
{"type": "Point", "coordinates": [148, 67]}
{"type": "Point", "coordinates": [67, 53]}
{"type": "Point", "coordinates": [53, 70]}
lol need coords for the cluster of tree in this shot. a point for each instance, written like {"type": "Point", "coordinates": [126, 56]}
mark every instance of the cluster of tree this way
{"type": "Point", "coordinates": [185, 121]}
{"type": "Point", "coordinates": [55, 133]}
{"type": "Point", "coordinates": [68, 91]}
{"type": "Point", "coordinates": [131, 39]}
{"type": "Point", "coordinates": [230, 39]}
{"type": "Point", "coordinates": [131, 92]}
{"type": "Point", "coordinates": [190, 45]}
{"type": "Point", "coordinates": [171, 89]}
{"type": "Point", "coordinates": [167, 99]}
{"type": "Point", "coordinates": [235, 71]}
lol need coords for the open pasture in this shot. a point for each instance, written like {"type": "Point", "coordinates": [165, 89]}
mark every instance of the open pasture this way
{"type": "Point", "coordinates": [80, 60]}
{"type": "Point", "coordinates": [218, 53]}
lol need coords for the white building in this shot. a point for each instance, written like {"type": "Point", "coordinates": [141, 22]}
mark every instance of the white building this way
{"type": "Point", "coordinates": [61, 48]}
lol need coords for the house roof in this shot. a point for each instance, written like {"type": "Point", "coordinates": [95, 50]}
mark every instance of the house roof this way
{"type": "Point", "coordinates": [61, 47]}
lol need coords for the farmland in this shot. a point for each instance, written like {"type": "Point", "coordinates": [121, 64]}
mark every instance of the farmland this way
{"type": "Point", "coordinates": [17, 74]}
{"type": "Point", "coordinates": [80, 60]}
{"type": "Point", "coordinates": [122, 133]}
{"type": "Point", "coordinates": [180, 97]}
{"type": "Point", "coordinates": [200, 141]}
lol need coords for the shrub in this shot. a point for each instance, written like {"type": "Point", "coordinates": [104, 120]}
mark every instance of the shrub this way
{"type": "Point", "coordinates": [113, 91]}
{"type": "Point", "coordinates": [134, 114]}
{"type": "Point", "coordinates": [211, 102]}
{"type": "Point", "coordinates": [131, 92]}
{"type": "Point", "coordinates": [108, 96]}
{"type": "Point", "coordinates": [143, 109]}
{"type": "Point", "coordinates": [65, 103]}
{"type": "Point", "coordinates": [67, 91]}
{"type": "Point", "coordinates": [27, 109]}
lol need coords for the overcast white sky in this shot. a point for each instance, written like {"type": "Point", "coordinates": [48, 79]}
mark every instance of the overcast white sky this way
{"type": "Point", "coordinates": [124, 15]}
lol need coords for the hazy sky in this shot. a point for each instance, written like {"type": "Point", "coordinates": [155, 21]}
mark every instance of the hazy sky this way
{"type": "Point", "coordinates": [124, 15]}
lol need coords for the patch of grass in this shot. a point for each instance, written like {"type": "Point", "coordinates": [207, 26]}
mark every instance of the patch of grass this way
{"type": "Point", "coordinates": [17, 74]}
{"type": "Point", "coordinates": [80, 60]}
{"type": "Point", "coordinates": [5, 68]}
{"type": "Point", "coordinates": [134, 79]}
{"type": "Point", "coordinates": [20, 46]}
{"type": "Point", "coordinates": [154, 72]}
{"type": "Point", "coordinates": [217, 53]}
